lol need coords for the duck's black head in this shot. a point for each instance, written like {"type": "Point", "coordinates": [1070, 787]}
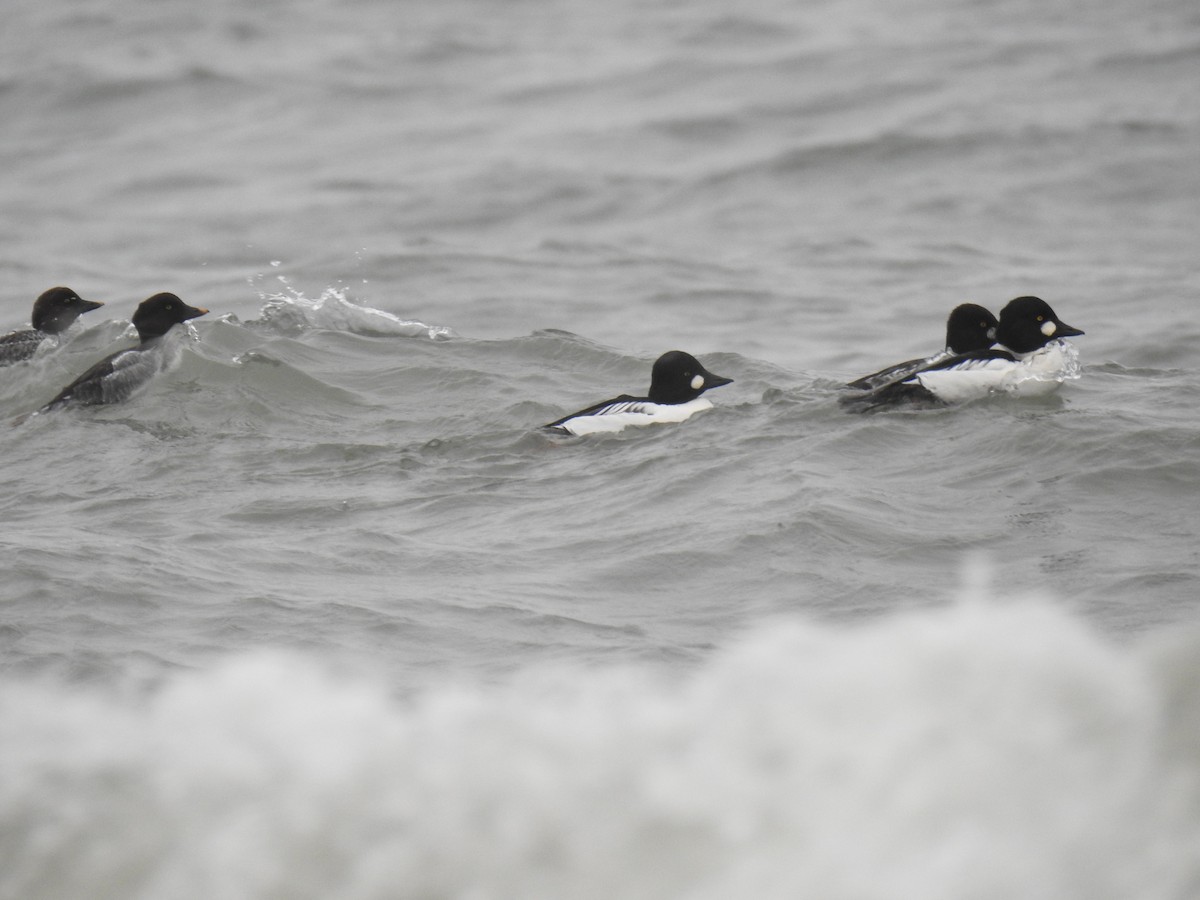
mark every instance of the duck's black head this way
{"type": "Point", "coordinates": [970, 327]}
{"type": "Point", "coordinates": [156, 315]}
{"type": "Point", "coordinates": [1028, 323]}
{"type": "Point", "coordinates": [678, 377]}
{"type": "Point", "coordinates": [57, 308]}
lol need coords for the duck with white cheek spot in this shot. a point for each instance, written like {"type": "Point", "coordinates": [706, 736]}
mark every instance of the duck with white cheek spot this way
{"type": "Point", "coordinates": [676, 383]}
{"type": "Point", "coordinates": [1032, 360]}
{"type": "Point", "coordinates": [968, 327]}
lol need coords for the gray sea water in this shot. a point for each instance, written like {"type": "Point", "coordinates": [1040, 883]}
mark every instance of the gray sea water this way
{"type": "Point", "coordinates": [319, 613]}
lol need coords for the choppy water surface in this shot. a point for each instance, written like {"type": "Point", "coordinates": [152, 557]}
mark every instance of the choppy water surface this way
{"type": "Point", "coordinates": [321, 613]}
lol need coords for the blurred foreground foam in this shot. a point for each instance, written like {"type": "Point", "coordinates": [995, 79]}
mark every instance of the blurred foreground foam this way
{"type": "Point", "coordinates": [975, 750]}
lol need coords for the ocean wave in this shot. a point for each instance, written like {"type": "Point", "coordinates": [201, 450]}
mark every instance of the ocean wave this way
{"type": "Point", "coordinates": [334, 310]}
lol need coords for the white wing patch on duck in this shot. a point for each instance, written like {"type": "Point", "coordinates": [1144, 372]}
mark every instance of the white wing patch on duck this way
{"type": "Point", "coordinates": [619, 416]}
{"type": "Point", "coordinates": [1033, 375]}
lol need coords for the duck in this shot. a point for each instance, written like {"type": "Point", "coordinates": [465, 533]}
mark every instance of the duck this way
{"type": "Point", "coordinates": [1031, 358]}
{"type": "Point", "coordinates": [117, 376]}
{"type": "Point", "coordinates": [969, 327]}
{"type": "Point", "coordinates": [54, 311]}
{"type": "Point", "coordinates": [677, 381]}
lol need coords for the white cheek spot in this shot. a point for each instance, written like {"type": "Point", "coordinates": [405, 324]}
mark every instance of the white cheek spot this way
{"type": "Point", "coordinates": [697, 382]}
{"type": "Point", "coordinates": [1048, 329]}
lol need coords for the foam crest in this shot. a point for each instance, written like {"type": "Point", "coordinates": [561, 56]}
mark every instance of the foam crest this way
{"type": "Point", "coordinates": [977, 751]}
{"type": "Point", "coordinates": [334, 310]}
{"type": "Point", "coordinates": [1072, 367]}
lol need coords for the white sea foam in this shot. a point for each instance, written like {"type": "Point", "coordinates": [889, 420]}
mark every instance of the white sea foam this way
{"type": "Point", "coordinates": [334, 310]}
{"type": "Point", "coordinates": [975, 751]}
